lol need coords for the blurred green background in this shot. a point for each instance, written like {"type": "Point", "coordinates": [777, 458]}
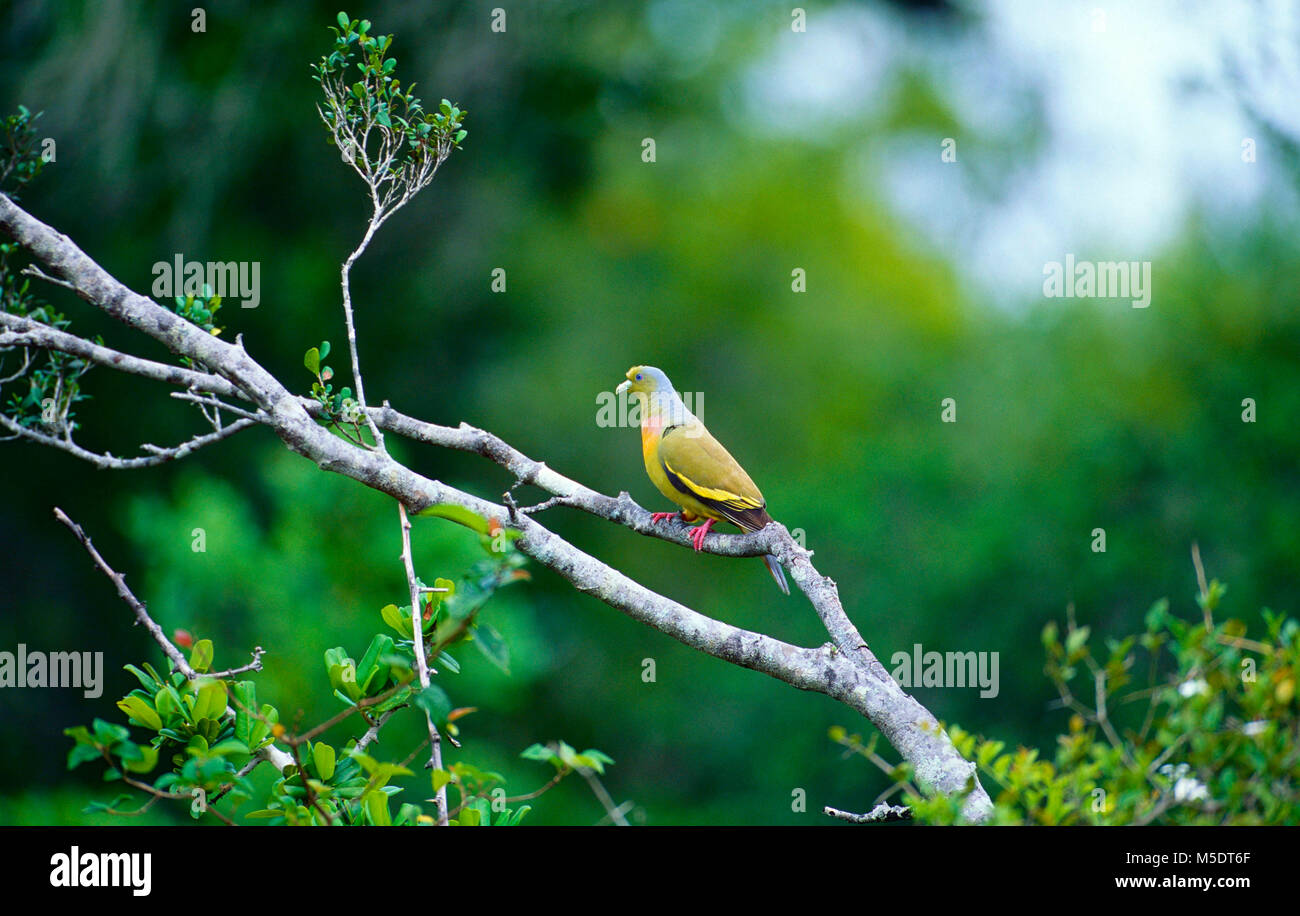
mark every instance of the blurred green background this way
{"type": "Point", "coordinates": [775, 150]}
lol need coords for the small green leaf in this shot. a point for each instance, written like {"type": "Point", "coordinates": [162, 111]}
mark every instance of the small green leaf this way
{"type": "Point", "coordinates": [141, 711]}
{"type": "Point", "coordinates": [396, 618]}
{"type": "Point", "coordinates": [229, 746]}
{"type": "Point", "coordinates": [264, 814]}
{"type": "Point", "coordinates": [147, 760]}
{"type": "Point", "coordinates": [108, 733]}
{"type": "Point", "coordinates": [493, 646]}
{"type": "Point", "coordinates": [82, 753]}
{"type": "Point", "coordinates": [201, 655]}
{"type": "Point", "coordinates": [371, 674]}
{"type": "Point", "coordinates": [440, 779]}
{"type": "Point", "coordinates": [458, 514]}
{"type": "Point", "coordinates": [538, 752]}
{"type": "Point", "coordinates": [211, 701]}
{"type": "Point", "coordinates": [148, 681]}
{"type": "Point", "coordinates": [245, 702]}
{"type": "Point", "coordinates": [324, 757]}
{"type": "Point", "coordinates": [434, 701]}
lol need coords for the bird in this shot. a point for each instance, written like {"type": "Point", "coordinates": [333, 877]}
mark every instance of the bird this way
{"type": "Point", "coordinates": [690, 467]}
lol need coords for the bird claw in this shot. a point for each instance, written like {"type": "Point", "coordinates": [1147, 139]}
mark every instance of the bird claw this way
{"type": "Point", "coordinates": [698, 534]}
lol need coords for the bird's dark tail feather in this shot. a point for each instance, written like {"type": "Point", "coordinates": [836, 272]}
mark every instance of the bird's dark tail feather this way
{"type": "Point", "coordinates": [777, 573]}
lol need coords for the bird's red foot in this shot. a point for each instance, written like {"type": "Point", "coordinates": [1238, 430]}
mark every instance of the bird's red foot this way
{"type": "Point", "coordinates": [698, 533]}
{"type": "Point", "coordinates": [656, 517]}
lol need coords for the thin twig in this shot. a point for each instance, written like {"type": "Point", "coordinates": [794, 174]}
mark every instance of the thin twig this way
{"type": "Point", "coordinates": [107, 460]}
{"type": "Point", "coordinates": [312, 798]}
{"type": "Point", "coordinates": [211, 401]}
{"type": "Point", "coordinates": [32, 270]}
{"type": "Point", "coordinates": [169, 796]}
{"type": "Point", "coordinates": [243, 771]}
{"type": "Point", "coordinates": [360, 706]}
{"type": "Point", "coordinates": [612, 811]}
{"type": "Point", "coordinates": [513, 799]}
{"type": "Point", "coordinates": [137, 606]}
{"type": "Point", "coordinates": [422, 664]}
{"type": "Point", "coordinates": [372, 733]}
{"type": "Point", "coordinates": [881, 812]}
{"type": "Point", "coordinates": [547, 504]}
{"type": "Point", "coordinates": [254, 665]}
{"type": "Point", "coordinates": [1201, 584]}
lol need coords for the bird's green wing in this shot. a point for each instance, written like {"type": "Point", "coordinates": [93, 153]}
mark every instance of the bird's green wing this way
{"type": "Point", "coordinates": [698, 465]}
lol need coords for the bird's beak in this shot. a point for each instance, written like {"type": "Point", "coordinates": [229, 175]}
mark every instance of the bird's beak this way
{"type": "Point", "coordinates": [622, 389]}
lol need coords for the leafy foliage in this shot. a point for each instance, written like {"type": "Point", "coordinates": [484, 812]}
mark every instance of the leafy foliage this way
{"type": "Point", "coordinates": [1212, 737]}
{"type": "Point", "coordinates": [200, 310]}
{"type": "Point", "coordinates": [563, 757]}
{"type": "Point", "coordinates": [53, 379]}
{"type": "Point", "coordinates": [382, 130]}
{"type": "Point", "coordinates": [19, 161]}
{"type": "Point", "coordinates": [208, 730]}
{"type": "Point", "coordinates": [53, 383]}
{"type": "Point", "coordinates": [338, 409]}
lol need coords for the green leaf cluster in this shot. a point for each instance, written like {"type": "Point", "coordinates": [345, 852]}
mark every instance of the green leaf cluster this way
{"type": "Point", "coordinates": [1210, 736]}
{"type": "Point", "coordinates": [199, 310]}
{"type": "Point", "coordinates": [20, 163]}
{"type": "Point", "coordinates": [376, 101]}
{"type": "Point", "coordinates": [52, 378]}
{"type": "Point", "coordinates": [204, 732]}
{"type": "Point", "coordinates": [339, 410]}
{"type": "Point", "coordinates": [562, 756]}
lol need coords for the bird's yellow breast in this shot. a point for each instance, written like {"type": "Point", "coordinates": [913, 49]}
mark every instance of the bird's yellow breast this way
{"type": "Point", "coordinates": [651, 434]}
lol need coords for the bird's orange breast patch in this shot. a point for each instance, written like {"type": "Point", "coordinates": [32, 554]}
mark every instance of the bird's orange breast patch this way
{"type": "Point", "coordinates": [650, 427]}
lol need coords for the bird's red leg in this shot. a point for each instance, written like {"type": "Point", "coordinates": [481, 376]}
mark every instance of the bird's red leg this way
{"type": "Point", "coordinates": [656, 517]}
{"type": "Point", "coordinates": [698, 533]}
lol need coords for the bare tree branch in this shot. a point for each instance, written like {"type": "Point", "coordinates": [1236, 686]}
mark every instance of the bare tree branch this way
{"type": "Point", "coordinates": [203, 400]}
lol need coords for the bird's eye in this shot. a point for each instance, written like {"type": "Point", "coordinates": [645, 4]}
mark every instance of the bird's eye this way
{"type": "Point", "coordinates": [638, 376]}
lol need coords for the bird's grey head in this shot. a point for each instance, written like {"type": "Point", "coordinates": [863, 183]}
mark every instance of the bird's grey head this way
{"type": "Point", "coordinates": [647, 380]}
